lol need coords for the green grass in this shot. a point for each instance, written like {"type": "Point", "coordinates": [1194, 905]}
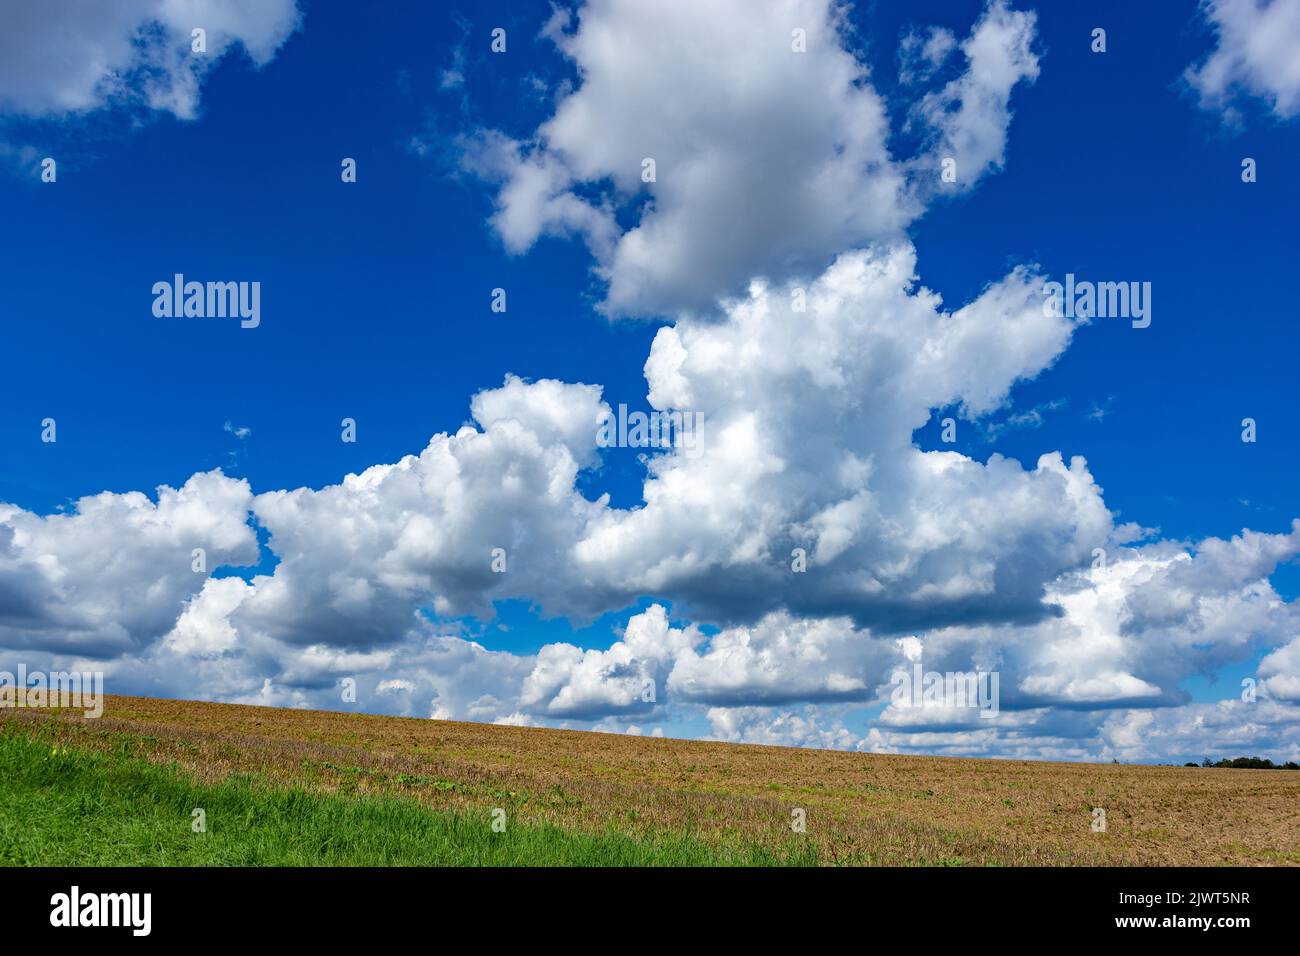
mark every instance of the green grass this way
{"type": "Point", "coordinates": [61, 807]}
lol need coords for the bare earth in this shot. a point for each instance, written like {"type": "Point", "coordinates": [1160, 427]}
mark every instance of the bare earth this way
{"type": "Point", "coordinates": [860, 808]}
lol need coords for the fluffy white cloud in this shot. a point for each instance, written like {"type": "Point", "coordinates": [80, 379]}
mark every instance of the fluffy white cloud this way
{"type": "Point", "coordinates": [111, 576]}
{"type": "Point", "coordinates": [360, 558]}
{"type": "Point", "coordinates": [65, 56]}
{"type": "Point", "coordinates": [807, 443]}
{"type": "Point", "coordinates": [570, 682]}
{"type": "Point", "coordinates": [1254, 54]}
{"type": "Point", "coordinates": [779, 660]}
{"type": "Point", "coordinates": [767, 161]}
{"type": "Point", "coordinates": [554, 412]}
{"type": "Point", "coordinates": [1280, 672]}
{"type": "Point", "coordinates": [1130, 632]}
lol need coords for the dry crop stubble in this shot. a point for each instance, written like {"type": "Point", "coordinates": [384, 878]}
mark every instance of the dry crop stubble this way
{"type": "Point", "coordinates": [861, 808]}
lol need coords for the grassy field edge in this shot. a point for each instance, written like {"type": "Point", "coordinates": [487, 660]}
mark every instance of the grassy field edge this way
{"type": "Point", "coordinates": [61, 806]}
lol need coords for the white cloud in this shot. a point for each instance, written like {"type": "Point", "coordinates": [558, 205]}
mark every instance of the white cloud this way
{"type": "Point", "coordinates": [60, 57]}
{"type": "Point", "coordinates": [807, 443]}
{"type": "Point", "coordinates": [1254, 55]}
{"type": "Point", "coordinates": [782, 728]}
{"type": "Point", "coordinates": [1280, 671]}
{"type": "Point", "coordinates": [969, 117]}
{"type": "Point", "coordinates": [1172, 734]}
{"type": "Point", "coordinates": [570, 682]}
{"type": "Point", "coordinates": [922, 52]}
{"type": "Point", "coordinates": [1228, 728]}
{"type": "Point", "coordinates": [781, 660]}
{"type": "Point", "coordinates": [896, 537]}
{"type": "Point", "coordinates": [737, 194]}
{"type": "Point", "coordinates": [111, 577]}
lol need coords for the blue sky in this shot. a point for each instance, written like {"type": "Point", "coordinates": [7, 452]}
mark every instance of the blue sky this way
{"type": "Point", "coordinates": [376, 302]}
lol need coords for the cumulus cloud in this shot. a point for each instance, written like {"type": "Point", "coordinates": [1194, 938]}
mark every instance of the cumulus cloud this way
{"type": "Point", "coordinates": [695, 88]}
{"type": "Point", "coordinates": [809, 417]}
{"type": "Point", "coordinates": [1195, 731]}
{"type": "Point", "coordinates": [568, 681]}
{"type": "Point", "coordinates": [758, 725]}
{"type": "Point", "coordinates": [781, 659]}
{"type": "Point", "coordinates": [978, 565]}
{"type": "Point", "coordinates": [1254, 55]}
{"type": "Point", "coordinates": [111, 576]}
{"type": "Point", "coordinates": [807, 444]}
{"type": "Point", "coordinates": [1280, 672]}
{"type": "Point", "coordinates": [359, 559]}
{"type": "Point", "coordinates": [1129, 633]}
{"type": "Point", "coordinates": [1136, 627]}
{"type": "Point", "coordinates": [1175, 734]}
{"type": "Point", "coordinates": [60, 57]}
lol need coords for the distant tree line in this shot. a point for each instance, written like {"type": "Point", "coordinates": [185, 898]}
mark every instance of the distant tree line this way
{"type": "Point", "coordinates": [1247, 763]}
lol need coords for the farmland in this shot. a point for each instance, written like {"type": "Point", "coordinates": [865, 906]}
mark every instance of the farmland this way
{"type": "Point", "coordinates": [303, 787]}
